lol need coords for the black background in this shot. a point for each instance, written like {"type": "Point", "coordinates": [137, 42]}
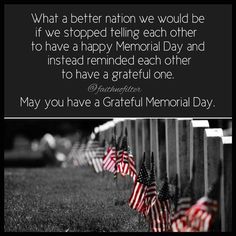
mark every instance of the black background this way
{"type": "Point", "coordinates": [209, 76]}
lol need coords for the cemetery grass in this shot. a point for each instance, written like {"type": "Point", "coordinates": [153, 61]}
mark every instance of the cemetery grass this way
{"type": "Point", "coordinates": [68, 200]}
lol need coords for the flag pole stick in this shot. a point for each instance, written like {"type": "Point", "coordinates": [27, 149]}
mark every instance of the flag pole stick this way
{"type": "Point", "coordinates": [126, 179]}
{"type": "Point", "coordinates": [104, 152]}
{"type": "Point", "coordinates": [116, 179]}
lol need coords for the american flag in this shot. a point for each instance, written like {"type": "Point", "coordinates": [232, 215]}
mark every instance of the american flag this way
{"type": "Point", "coordinates": [89, 152]}
{"type": "Point", "coordinates": [151, 193]}
{"type": "Point", "coordinates": [98, 159]}
{"type": "Point", "coordinates": [76, 157]}
{"type": "Point", "coordinates": [132, 169]}
{"type": "Point", "coordinates": [137, 197]}
{"type": "Point", "coordinates": [118, 166]}
{"type": "Point", "coordinates": [201, 216]}
{"type": "Point", "coordinates": [179, 220]}
{"type": "Point", "coordinates": [125, 164]}
{"type": "Point", "coordinates": [109, 159]}
{"type": "Point", "coordinates": [94, 154]}
{"type": "Point", "coordinates": [160, 212]}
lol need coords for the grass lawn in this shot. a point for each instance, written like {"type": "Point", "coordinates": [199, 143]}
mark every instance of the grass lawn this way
{"type": "Point", "coordinates": [70, 199]}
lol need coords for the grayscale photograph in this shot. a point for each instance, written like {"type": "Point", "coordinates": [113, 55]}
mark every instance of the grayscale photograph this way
{"type": "Point", "coordinates": [118, 175]}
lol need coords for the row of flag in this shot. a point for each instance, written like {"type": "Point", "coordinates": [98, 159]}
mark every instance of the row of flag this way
{"type": "Point", "coordinates": [115, 157]}
{"type": "Point", "coordinates": [91, 154]}
{"type": "Point", "coordinates": [165, 212]}
{"type": "Point", "coordinates": [146, 200]}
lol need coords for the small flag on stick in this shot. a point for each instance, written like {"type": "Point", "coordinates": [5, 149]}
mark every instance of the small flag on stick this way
{"type": "Point", "coordinates": [201, 216]}
{"type": "Point", "coordinates": [160, 215]}
{"type": "Point", "coordinates": [125, 161]}
{"type": "Point", "coordinates": [109, 159]}
{"type": "Point", "coordinates": [137, 197]}
{"type": "Point", "coordinates": [151, 193]}
{"type": "Point", "coordinates": [179, 220]}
